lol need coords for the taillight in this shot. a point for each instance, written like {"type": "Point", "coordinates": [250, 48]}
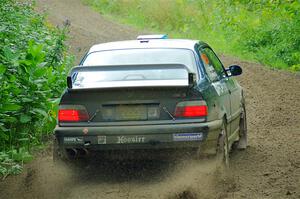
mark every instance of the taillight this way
{"type": "Point", "coordinates": [72, 115]}
{"type": "Point", "coordinates": [191, 109]}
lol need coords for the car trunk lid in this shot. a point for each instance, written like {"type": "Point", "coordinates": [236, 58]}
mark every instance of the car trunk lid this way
{"type": "Point", "coordinates": [129, 104]}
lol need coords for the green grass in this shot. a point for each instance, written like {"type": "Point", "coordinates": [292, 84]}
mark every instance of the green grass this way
{"type": "Point", "coordinates": [33, 67]}
{"type": "Point", "coordinates": [265, 31]}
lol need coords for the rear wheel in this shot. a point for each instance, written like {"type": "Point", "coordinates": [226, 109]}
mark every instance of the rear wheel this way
{"type": "Point", "coordinates": [223, 147]}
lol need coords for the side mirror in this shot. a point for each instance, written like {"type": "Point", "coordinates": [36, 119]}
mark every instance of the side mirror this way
{"type": "Point", "coordinates": [234, 70]}
{"type": "Point", "coordinates": [69, 82]}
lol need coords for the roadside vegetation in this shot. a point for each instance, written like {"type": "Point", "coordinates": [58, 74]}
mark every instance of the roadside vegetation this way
{"type": "Point", "coordinates": [33, 66]}
{"type": "Point", "coordinates": [267, 31]}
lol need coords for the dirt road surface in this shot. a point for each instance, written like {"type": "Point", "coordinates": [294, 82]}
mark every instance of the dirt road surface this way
{"type": "Point", "coordinates": [269, 168]}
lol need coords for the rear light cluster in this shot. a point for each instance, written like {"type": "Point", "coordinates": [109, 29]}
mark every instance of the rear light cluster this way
{"type": "Point", "coordinates": [187, 109]}
{"type": "Point", "coordinates": [191, 109]}
{"type": "Point", "coordinates": [73, 114]}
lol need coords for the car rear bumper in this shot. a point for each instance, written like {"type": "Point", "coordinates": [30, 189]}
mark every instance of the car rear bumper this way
{"type": "Point", "coordinates": [154, 136]}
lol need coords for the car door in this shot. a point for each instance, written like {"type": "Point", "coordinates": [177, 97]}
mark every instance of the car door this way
{"type": "Point", "coordinates": [216, 73]}
{"type": "Point", "coordinates": [234, 90]}
{"type": "Point", "coordinates": [235, 102]}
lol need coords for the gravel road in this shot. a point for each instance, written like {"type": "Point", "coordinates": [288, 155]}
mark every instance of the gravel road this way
{"type": "Point", "coordinates": [269, 168]}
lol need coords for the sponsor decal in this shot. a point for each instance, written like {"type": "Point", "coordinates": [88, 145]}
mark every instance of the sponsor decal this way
{"type": "Point", "coordinates": [73, 140]}
{"type": "Point", "coordinates": [205, 58]}
{"type": "Point", "coordinates": [187, 137]}
{"type": "Point", "coordinates": [220, 88]}
{"type": "Point", "coordinates": [130, 139]}
{"type": "Point", "coordinates": [102, 139]}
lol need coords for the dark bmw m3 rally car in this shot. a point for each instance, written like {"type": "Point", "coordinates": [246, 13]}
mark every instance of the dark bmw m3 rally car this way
{"type": "Point", "coordinates": [151, 94]}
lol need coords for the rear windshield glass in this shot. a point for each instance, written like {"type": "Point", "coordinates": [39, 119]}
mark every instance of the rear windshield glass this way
{"type": "Point", "coordinates": [142, 56]}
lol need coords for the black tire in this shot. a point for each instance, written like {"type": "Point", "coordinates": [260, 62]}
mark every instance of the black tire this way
{"type": "Point", "coordinates": [243, 141]}
{"type": "Point", "coordinates": [223, 146]}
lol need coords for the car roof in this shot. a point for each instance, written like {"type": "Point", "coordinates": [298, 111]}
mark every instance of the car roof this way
{"type": "Point", "coordinates": [147, 43]}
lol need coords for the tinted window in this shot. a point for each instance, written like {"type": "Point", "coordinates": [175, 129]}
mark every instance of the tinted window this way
{"type": "Point", "coordinates": [212, 65]}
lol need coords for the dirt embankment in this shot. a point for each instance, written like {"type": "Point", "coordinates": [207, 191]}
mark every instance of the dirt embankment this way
{"type": "Point", "coordinates": [269, 168]}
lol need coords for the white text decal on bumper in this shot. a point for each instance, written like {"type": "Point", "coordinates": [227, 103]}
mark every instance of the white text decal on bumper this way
{"type": "Point", "coordinates": [187, 137]}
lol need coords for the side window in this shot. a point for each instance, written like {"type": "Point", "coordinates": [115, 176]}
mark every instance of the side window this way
{"type": "Point", "coordinates": [213, 66]}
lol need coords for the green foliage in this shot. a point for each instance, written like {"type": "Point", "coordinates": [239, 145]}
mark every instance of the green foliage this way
{"type": "Point", "coordinates": [8, 164]}
{"type": "Point", "coordinates": [33, 66]}
{"type": "Point", "coordinates": [263, 30]}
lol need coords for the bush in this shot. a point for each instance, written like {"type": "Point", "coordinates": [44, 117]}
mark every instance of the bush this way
{"type": "Point", "coordinates": [33, 66]}
{"type": "Point", "coordinates": [267, 31]}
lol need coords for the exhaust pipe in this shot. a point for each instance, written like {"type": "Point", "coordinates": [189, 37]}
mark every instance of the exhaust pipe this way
{"type": "Point", "coordinates": [72, 152]}
{"type": "Point", "coordinates": [82, 152]}
{"type": "Point", "coordinates": [86, 152]}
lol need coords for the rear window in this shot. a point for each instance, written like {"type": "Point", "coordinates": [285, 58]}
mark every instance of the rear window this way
{"type": "Point", "coordinates": [141, 57]}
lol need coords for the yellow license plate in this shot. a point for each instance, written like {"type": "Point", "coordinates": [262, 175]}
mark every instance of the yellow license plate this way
{"type": "Point", "coordinates": [134, 112]}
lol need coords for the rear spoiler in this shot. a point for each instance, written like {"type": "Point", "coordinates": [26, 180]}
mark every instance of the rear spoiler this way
{"type": "Point", "coordinates": [190, 80]}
